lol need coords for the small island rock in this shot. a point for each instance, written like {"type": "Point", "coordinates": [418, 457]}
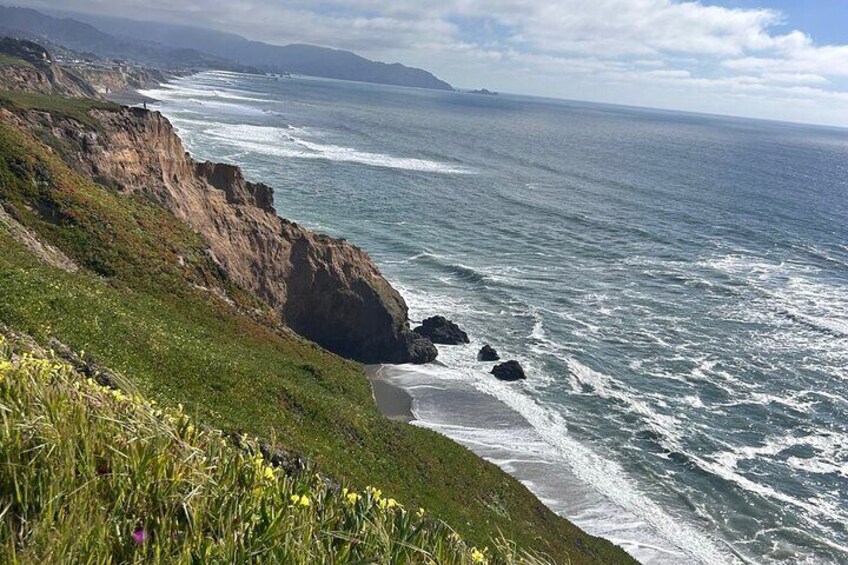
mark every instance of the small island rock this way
{"type": "Point", "coordinates": [438, 329]}
{"type": "Point", "coordinates": [509, 371]}
{"type": "Point", "coordinates": [488, 353]}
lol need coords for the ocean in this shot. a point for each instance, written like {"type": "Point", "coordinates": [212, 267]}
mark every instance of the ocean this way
{"type": "Point", "coordinates": [675, 285]}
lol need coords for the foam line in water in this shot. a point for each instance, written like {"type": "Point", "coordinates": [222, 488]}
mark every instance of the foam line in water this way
{"type": "Point", "coordinates": [279, 142]}
{"type": "Point", "coordinates": [553, 445]}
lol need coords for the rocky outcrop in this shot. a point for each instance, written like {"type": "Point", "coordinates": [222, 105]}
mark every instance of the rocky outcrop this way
{"type": "Point", "coordinates": [509, 371]}
{"type": "Point", "coordinates": [44, 251]}
{"type": "Point", "coordinates": [488, 353]}
{"type": "Point", "coordinates": [229, 179]}
{"type": "Point", "coordinates": [325, 289]}
{"type": "Point", "coordinates": [440, 330]}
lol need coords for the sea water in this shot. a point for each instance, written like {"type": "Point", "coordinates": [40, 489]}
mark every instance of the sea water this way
{"type": "Point", "coordinates": [675, 285]}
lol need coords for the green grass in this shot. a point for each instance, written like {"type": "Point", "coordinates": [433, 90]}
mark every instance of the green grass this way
{"type": "Point", "coordinates": [136, 308]}
{"type": "Point", "coordinates": [74, 108]}
{"type": "Point", "coordinates": [10, 61]}
{"type": "Point", "coordinates": [100, 475]}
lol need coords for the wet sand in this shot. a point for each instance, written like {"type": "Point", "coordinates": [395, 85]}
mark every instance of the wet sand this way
{"type": "Point", "coordinates": [394, 402]}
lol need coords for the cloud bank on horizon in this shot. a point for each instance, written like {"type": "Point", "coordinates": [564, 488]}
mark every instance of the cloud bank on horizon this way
{"type": "Point", "coordinates": [722, 56]}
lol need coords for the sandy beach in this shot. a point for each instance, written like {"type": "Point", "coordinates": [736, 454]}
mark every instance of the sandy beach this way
{"type": "Point", "coordinates": [448, 402]}
{"type": "Point", "coordinates": [394, 402]}
{"type": "Point", "coordinates": [129, 98]}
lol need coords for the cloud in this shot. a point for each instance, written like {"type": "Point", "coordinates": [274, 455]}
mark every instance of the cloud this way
{"type": "Point", "coordinates": [689, 54]}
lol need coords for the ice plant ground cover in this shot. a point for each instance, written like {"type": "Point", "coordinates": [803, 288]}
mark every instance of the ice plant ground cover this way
{"type": "Point", "coordinates": [99, 474]}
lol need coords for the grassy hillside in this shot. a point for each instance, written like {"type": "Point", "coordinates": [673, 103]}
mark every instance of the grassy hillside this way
{"type": "Point", "coordinates": [12, 61]}
{"type": "Point", "coordinates": [152, 486]}
{"type": "Point", "coordinates": [75, 108]}
{"type": "Point", "coordinates": [141, 305]}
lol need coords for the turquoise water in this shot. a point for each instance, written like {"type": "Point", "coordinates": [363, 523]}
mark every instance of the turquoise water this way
{"type": "Point", "coordinates": [676, 286]}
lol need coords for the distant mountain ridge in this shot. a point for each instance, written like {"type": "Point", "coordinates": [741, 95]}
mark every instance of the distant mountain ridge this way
{"type": "Point", "coordinates": [85, 38]}
{"type": "Point", "coordinates": [156, 43]}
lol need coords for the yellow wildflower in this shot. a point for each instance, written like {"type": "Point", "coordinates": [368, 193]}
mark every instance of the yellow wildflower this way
{"type": "Point", "coordinates": [294, 499]}
{"type": "Point", "coordinates": [304, 501]}
{"type": "Point", "coordinates": [269, 475]}
{"type": "Point", "coordinates": [478, 556]}
{"type": "Point", "coordinates": [352, 497]}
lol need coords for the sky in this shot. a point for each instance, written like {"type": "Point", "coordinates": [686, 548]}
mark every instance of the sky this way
{"type": "Point", "coordinates": [774, 59]}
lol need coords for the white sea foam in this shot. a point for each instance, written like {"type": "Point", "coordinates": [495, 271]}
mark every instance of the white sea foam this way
{"type": "Point", "coordinates": [802, 310]}
{"type": "Point", "coordinates": [281, 142]}
{"type": "Point", "coordinates": [618, 510]}
{"type": "Point", "coordinates": [796, 316]}
{"type": "Point", "coordinates": [182, 91]}
{"type": "Point", "coordinates": [672, 541]}
{"type": "Point", "coordinates": [208, 105]}
{"type": "Point", "coordinates": [610, 480]}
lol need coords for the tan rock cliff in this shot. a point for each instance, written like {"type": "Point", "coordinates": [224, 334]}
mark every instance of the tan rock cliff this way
{"type": "Point", "coordinates": [325, 289]}
{"type": "Point", "coordinates": [39, 74]}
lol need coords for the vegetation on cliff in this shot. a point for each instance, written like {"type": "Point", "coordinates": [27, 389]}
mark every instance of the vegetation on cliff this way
{"type": "Point", "coordinates": [100, 474]}
{"type": "Point", "coordinates": [150, 303]}
{"type": "Point", "coordinates": [74, 108]}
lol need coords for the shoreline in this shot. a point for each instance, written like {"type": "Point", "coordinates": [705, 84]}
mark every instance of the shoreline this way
{"type": "Point", "coordinates": [393, 401]}
{"type": "Point", "coordinates": [499, 434]}
{"type": "Point", "coordinates": [129, 97]}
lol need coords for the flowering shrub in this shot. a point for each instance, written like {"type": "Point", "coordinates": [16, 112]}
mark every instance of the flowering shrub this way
{"type": "Point", "coordinates": [95, 474]}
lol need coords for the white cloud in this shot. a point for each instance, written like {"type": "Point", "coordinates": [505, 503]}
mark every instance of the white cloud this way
{"type": "Point", "coordinates": [687, 54]}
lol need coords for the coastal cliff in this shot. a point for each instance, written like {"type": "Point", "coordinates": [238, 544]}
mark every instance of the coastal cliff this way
{"type": "Point", "coordinates": [325, 289]}
{"type": "Point", "coordinates": [158, 277]}
{"type": "Point", "coordinates": [119, 77]}
{"type": "Point", "coordinates": [27, 67]}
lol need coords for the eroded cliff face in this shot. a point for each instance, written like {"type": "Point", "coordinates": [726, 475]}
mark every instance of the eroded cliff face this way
{"type": "Point", "coordinates": [325, 289]}
{"type": "Point", "coordinates": [105, 80]}
{"type": "Point", "coordinates": [37, 72]}
{"type": "Point", "coordinates": [49, 79]}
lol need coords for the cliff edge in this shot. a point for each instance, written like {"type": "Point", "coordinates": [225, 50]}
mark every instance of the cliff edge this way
{"type": "Point", "coordinates": [325, 289]}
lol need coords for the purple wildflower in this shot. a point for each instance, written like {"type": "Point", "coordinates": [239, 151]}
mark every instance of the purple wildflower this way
{"type": "Point", "coordinates": [139, 536]}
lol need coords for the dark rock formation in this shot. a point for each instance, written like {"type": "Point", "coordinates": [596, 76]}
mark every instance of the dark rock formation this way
{"type": "Point", "coordinates": [488, 353]}
{"type": "Point", "coordinates": [509, 371]}
{"type": "Point", "coordinates": [439, 329]}
{"type": "Point", "coordinates": [292, 464]}
{"type": "Point", "coordinates": [325, 289]}
{"type": "Point", "coordinates": [229, 179]}
{"type": "Point", "coordinates": [86, 366]}
{"type": "Point", "coordinates": [340, 300]}
{"type": "Point", "coordinates": [263, 195]}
